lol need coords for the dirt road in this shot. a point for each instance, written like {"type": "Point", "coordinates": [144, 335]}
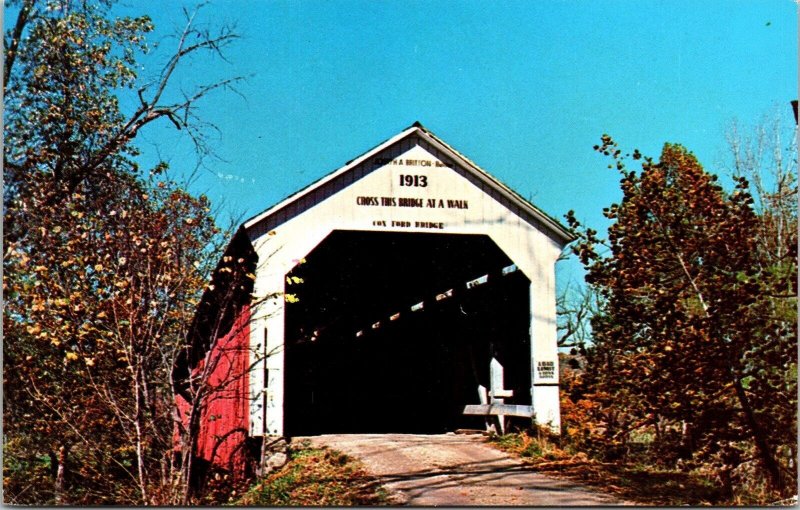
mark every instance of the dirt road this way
{"type": "Point", "coordinates": [455, 470]}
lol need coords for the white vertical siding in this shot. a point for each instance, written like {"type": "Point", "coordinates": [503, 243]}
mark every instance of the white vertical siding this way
{"type": "Point", "coordinates": [301, 226]}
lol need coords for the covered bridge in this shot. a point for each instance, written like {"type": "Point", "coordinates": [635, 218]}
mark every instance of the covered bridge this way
{"type": "Point", "coordinates": [375, 299]}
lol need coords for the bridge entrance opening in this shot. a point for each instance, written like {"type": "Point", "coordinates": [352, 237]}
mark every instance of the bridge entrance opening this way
{"type": "Point", "coordinates": [393, 332]}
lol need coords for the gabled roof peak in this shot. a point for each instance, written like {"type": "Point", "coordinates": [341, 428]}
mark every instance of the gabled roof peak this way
{"type": "Point", "coordinates": [527, 210]}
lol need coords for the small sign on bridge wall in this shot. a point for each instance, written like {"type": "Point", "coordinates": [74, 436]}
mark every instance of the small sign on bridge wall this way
{"type": "Point", "coordinates": [546, 369]}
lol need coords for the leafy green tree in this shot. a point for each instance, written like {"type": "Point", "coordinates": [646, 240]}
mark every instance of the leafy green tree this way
{"type": "Point", "coordinates": [766, 155]}
{"type": "Point", "coordinates": [99, 321]}
{"type": "Point", "coordinates": [681, 284]}
{"type": "Point", "coordinates": [103, 264]}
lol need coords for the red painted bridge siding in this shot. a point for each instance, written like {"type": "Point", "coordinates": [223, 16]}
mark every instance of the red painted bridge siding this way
{"type": "Point", "coordinates": [224, 422]}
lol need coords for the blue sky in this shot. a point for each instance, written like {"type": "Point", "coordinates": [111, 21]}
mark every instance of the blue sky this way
{"type": "Point", "coordinates": [523, 88]}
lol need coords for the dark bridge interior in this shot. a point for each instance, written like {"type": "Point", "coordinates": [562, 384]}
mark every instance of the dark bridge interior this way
{"type": "Point", "coordinates": [413, 373]}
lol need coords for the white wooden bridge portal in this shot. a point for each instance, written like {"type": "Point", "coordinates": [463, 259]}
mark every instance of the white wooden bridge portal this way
{"type": "Point", "coordinates": [417, 269]}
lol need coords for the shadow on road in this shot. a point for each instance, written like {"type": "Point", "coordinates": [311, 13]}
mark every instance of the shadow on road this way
{"type": "Point", "coordinates": [456, 471]}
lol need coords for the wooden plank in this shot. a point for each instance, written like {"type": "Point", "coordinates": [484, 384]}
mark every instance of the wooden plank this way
{"type": "Point", "coordinates": [495, 378]}
{"type": "Point", "coordinates": [501, 393]}
{"type": "Point", "coordinates": [496, 385]}
{"type": "Point", "coordinates": [482, 394]}
{"type": "Point", "coordinates": [499, 410]}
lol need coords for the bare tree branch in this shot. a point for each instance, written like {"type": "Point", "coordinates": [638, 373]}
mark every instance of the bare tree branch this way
{"type": "Point", "coordinates": [26, 12]}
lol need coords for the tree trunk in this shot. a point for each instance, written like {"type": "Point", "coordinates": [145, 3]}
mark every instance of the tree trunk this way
{"type": "Point", "coordinates": [686, 448]}
{"type": "Point", "coordinates": [759, 438]}
{"type": "Point", "coordinates": [58, 488]}
{"type": "Point", "coordinates": [724, 474]}
{"type": "Point", "coordinates": [139, 426]}
{"type": "Point", "coordinates": [189, 447]}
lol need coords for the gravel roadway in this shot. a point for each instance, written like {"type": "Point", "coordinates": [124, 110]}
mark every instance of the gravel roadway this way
{"type": "Point", "coordinates": [455, 470]}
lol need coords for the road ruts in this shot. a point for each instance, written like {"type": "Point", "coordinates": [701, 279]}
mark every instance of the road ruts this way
{"type": "Point", "coordinates": [456, 470]}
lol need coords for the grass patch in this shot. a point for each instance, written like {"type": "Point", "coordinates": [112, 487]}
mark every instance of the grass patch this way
{"type": "Point", "coordinates": [316, 477]}
{"type": "Point", "coordinates": [633, 482]}
{"type": "Point", "coordinates": [534, 449]}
